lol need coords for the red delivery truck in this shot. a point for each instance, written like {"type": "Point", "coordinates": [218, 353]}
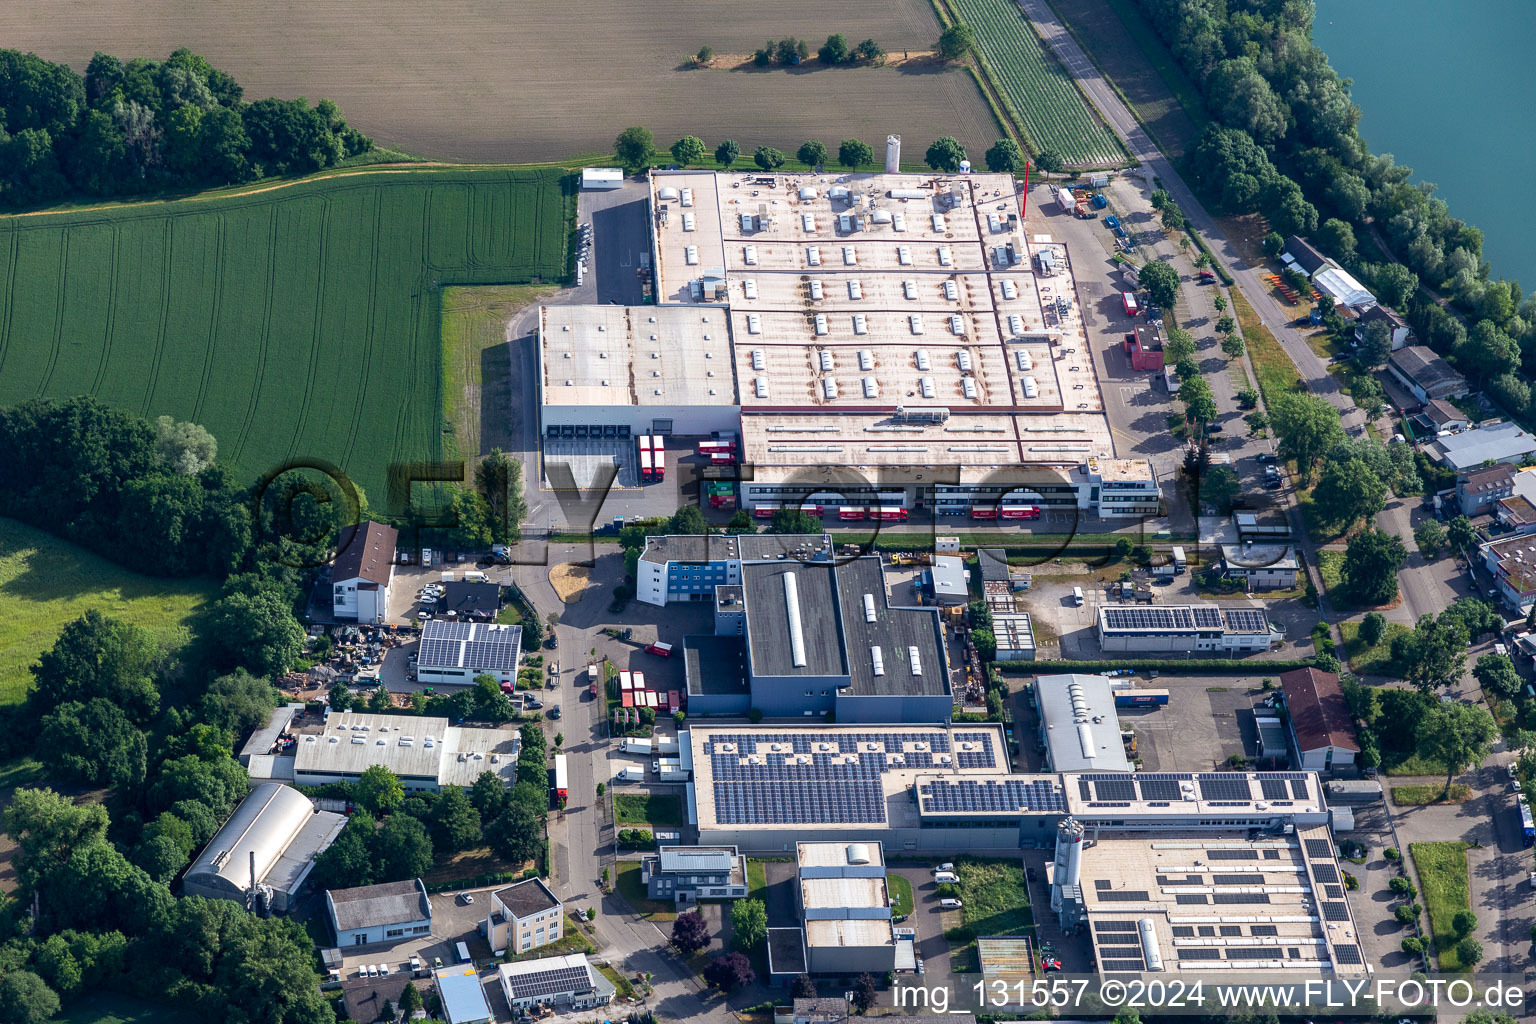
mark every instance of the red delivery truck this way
{"type": "Point", "coordinates": [850, 514]}
{"type": "Point", "coordinates": [891, 513]}
{"type": "Point", "coordinates": [562, 780]}
{"type": "Point", "coordinates": [658, 648]}
{"type": "Point", "coordinates": [1128, 300]}
{"type": "Point", "coordinates": [764, 511]}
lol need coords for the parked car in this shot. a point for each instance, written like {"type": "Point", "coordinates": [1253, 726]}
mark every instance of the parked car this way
{"type": "Point", "coordinates": [532, 703]}
{"type": "Point", "coordinates": [554, 712]}
{"type": "Point", "coordinates": [946, 866]}
{"type": "Point", "coordinates": [950, 903]}
{"type": "Point", "coordinates": [1214, 428]}
{"type": "Point", "coordinates": [1268, 457]}
{"type": "Point", "coordinates": [465, 898]}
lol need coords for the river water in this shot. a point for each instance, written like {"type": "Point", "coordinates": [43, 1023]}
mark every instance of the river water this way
{"type": "Point", "coordinates": [1448, 89]}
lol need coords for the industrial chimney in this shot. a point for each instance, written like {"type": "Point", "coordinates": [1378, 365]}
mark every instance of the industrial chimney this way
{"type": "Point", "coordinates": [893, 154]}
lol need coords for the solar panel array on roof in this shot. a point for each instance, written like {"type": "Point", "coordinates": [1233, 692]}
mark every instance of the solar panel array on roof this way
{"type": "Point", "coordinates": [1225, 787]}
{"type": "Point", "coordinates": [1232, 854]}
{"type": "Point", "coordinates": [1274, 789]}
{"type": "Point", "coordinates": [548, 983]}
{"type": "Point", "coordinates": [1114, 926]}
{"type": "Point", "coordinates": [1335, 910]}
{"type": "Point", "coordinates": [1333, 892]}
{"type": "Point", "coordinates": [1325, 872]}
{"type": "Point", "coordinates": [1319, 848]}
{"type": "Point", "coordinates": [755, 783]}
{"type": "Point", "coordinates": [476, 645]}
{"type": "Point", "coordinates": [1119, 952]}
{"type": "Point", "coordinates": [1198, 953]}
{"type": "Point", "coordinates": [1131, 966]}
{"type": "Point", "coordinates": [1002, 795]}
{"type": "Point", "coordinates": [1247, 953]}
{"type": "Point", "coordinates": [1206, 617]}
{"type": "Point", "coordinates": [1299, 788]}
{"type": "Point", "coordinates": [1245, 620]}
{"type": "Point", "coordinates": [1123, 895]}
{"type": "Point", "coordinates": [1190, 898]}
{"type": "Point", "coordinates": [1347, 954]}
{"type": "Point", "coordinates": [1115, 789]}
{"type": "Point", "coordinates": [1158, 789]}
{"type": "Point", "coordinates": [1147, 618]}
{"type": "Point", "coordinates": [1263, 929]}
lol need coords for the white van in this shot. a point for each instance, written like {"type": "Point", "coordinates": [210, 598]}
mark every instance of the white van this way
{"type": "Point", "coordinates": [476, 577]}
{"type": "Point", "coordinates": [1077, 596]}
{"type": "Point", "coordinates": [950, 904]}
{"type": "Point", "coordinates": [946, 878]}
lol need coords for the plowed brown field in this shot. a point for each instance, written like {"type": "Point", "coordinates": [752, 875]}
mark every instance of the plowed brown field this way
{"type": "Point", "coordinates": [541, 79]}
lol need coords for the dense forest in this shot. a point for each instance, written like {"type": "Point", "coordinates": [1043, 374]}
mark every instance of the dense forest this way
{"type": "Point", "coordinates": [142, 126]}
{"type": "Point", "coordinates": [1285, 143]}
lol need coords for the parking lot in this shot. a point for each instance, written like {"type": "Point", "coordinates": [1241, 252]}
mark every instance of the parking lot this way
{"type": "Point", "coordinates": [1207, 720]}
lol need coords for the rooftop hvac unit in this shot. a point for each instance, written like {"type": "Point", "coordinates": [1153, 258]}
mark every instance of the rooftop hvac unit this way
{"type": "Point", "coordinates": [755, 326]}
{"type": "Point", "coordinates": [816, 290]}
{"type": "Point", "coordinates": [869, 607]}
{"type": "Point", "coordinates": [813, 255]}
{"type": "Point", "coordinates": [916, 323]}
{"type": "Point", "coordinates": [821, 323]}
{"type": "Point", "coordinates": [866, 359]}
{"type": "Point", "coordinates": [968, 387]}
{"type": "Point", "coordinates": [860, 324]}
{"type": "Point", "coordinates": [749, 255]}
{"type": "Point", "coordinates": [760, 386]}
{"type": "Point", "coordinates": [807, 193]}
{"type": "Point", "coordinates": [951, 291]}
{"type": "Point", "coordinates": [749, 288]}
{"type": "Point", "coordinates": [826, 358]}
{"type": "Point", "coordinates": [1025, 362]}
{"type": "Point", "coordinates": [1010, 290]}
{"type": "Point", "coordinates": [871, 389]}
{"type": "Point", "coordinates": [957, 324]}
{"type": "Point", "coordinates": [845, 223]}
{"type": "Point", "coordinates": [747, 223]}
{"type": "Point", "coordinates": [938, 224]}
{"type": "Point", "coordinates": [904, 255]}
{"type": "Point", "coordinates": [963, 360]}
{"type": "Point", "coordinates": [909, 289]}
{"type": "Point", "coordinates": [850, 257]}
{"type": "Point", "coordinates": [922, 360]}
{"type": "Point", "coordinates": [1031, 388]}
{"type": "Point", "coordinates": [855, 290]}
{"type": "Point", "coordinates": [916, 660]}
{"type": "Point", "coordinates": [758, 358]}
{"type": "Point", "coordinates": [829, 388]}
{"type": "Point", "coordinates": [1015, 323]}
{"type": "Point", "coordinates": [925, 386]}
{"type": "Point", "coordinates": [898, 221]}
{"type": "Point", "coordinates": [808, 222]}
{"type": "Point", "coordinates": [946, 257]}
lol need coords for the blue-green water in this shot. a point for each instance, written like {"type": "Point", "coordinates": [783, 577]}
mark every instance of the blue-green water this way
{"type": "Point", "coordinates": [1448, 90]}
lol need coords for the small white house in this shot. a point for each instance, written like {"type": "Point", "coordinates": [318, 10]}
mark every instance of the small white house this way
{"type": "Point", "coordinates": [362, 572]}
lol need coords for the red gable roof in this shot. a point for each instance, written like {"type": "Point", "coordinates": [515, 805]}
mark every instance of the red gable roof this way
{"type": "Point", "coordinates": [1319, 713]}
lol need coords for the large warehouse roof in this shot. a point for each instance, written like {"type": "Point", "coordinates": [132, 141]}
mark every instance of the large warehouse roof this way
{"type": "Point", "coordinates": [281, 827]}
{"type": "Point", "coordinates": [635, 355]}
{"type": "Point", "coordinates": [418, 749]}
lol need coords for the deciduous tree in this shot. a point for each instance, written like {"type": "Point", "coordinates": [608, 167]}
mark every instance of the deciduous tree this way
{"type": "Point", "coordinates": [956, 41]}
{"type": "Point", "coordinates": [689, 150]}
{"type": "Point", "coordinates": [690, 932]}
{"type": "Point", "coordinates": [853, 153]}
{"type": "Point", "coordinates": [1371, 561]}
{"type": "Point", "coordinates": [634, 147]}
{"type": "Point", "coordinates": [749, 923]}
{"type": "Point", "coordinates": [768, 158]}
{"type": "Point", "coordinates": [812, 153]}
{"type": "Point", "coordinates": [726, 153]}
{"type": "Point", "coordinates": [1161, 283]}
{"type": "Point", "coordinates": [1005, 157]}
{"type": "Point", "coordinates": [945, 154]}
{"type": "Point", "coordinates": [1457, 735]}
{"type": "Point", "coordinates": [729, 972]}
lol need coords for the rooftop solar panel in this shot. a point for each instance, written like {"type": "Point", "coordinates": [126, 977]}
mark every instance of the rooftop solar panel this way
{"type": "Point", "coordinates": [1245, 620]}
{"type": "Point", "coordinates": [1319, 848]}
{"type": "Point", "coordinates": [1333, 892]}
{"type": "Point", "coordinates": [1190, 898]}
{"type": "Point", "coordinates": [1299, 788]}
{"type": "Point", "coordinates": [1132, 966]}
{"type": "Point", "coordinates": [1206, 617]}
{"type": "Point", "coordinates": [1158, 789]}
{"type": "Point", "coordinates": [1240, 897]}
{"type": "Point", "coordinates": [1232, 854]}
{"type": "Point", "coordinates": [1274, 789]}
{"type": "Point", "coordinates": [1335, 910]}
{"type": "Point", "coordinates": [1325, 872]}
{"type": "Point", "coordinates": [1250, 953]}
{"type": "Point", "coordinates": [1166, 618]}
{"type": "Point", "coordinates": [1115, 789]}
{"type": "Point", "coordinates": [1198, 953]}
{"type": "Point", "coordinates": [1347, 954]}
{"type": "Point", "coordinates": [549, 983]}
{"type": "Point", "coordinates": [1114, 926]}
{"type": "Point", "coordinates": [1005, 795]}
{"type": "Point", "coordinates": [1225, 787]}
{"type": "Point", "coordinates": [1123, 895]}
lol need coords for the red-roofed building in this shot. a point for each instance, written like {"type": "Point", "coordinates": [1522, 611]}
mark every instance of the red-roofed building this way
{"type": "Point", "coordinates": [362, 572]}
{"type": "Point", "coordinates": [1321, 728]}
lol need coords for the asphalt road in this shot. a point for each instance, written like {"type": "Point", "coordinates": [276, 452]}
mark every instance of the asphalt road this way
{"type": "Point", "coordinates": [1313, 369]}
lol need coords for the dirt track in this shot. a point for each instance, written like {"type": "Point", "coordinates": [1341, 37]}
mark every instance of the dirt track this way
{"type": "Point", "coordinates": [480, 80]}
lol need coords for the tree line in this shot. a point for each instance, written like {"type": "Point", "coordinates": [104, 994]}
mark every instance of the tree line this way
{"type": "Point", "coordinates": [1285, 142]}
{"type": "Point", "coordinates": [127, 127]}
{"type": "Point", "coordinates": [635, 148]}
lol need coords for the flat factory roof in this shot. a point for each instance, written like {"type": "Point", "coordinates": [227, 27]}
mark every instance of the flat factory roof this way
{"type": "Point", "coordinates": [834, 893]}
{"type": "Point", "coordinates": [1218, 903]}
{"type": "Point", "coordinates": [635, 356]}
{"type": "Point", "coordinates": [413, 748]}
{"type": "Point", "coordinates": [836, 855]}
{"type": "Point", "coordinates": [850, 932]}
{"type": "Point", "coordinates": [896, 631]}
{"type": "Point", "coordinates": [1077, 715]}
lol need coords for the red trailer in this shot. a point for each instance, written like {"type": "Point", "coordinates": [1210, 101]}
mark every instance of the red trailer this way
{"type": "Point", "coordinates": [764, 511]}
{"type": "Point", "coordinates": [647, 472]}
{"type": "Point", "coordinates": [1020, 512]}
{"type": "Point", "coordinates": [662, 650]}
{"type": "Point", "coordinates": [658, 458]}
{"type": "Point", "coordinates": [851, 514]}
{"type": "Point", "coordinates": [716, 447]}
{"type": "Point", "coordinates": [813, 510]}
{"type": "Point", "coordinates": [1128, 301]}
{"type": "Point", "coordinates": [891, 514]}
{"type": "Point", "coordinates": [562, 779]}
{"type": "Point", "coordinates": [983, 512]}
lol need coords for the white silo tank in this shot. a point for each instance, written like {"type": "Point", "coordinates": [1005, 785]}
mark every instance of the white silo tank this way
{"type": "Point", "coordinates": [965, 167]}
{"type": "Point", "coordinates": [892, 154]}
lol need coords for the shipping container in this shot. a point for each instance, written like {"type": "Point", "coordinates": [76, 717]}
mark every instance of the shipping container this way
{"type": "Point", "coordinates": [1141, 698]}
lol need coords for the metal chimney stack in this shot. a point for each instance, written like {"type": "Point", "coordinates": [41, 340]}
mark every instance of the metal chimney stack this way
{"type": "Point", "coordinates": [893, 154]}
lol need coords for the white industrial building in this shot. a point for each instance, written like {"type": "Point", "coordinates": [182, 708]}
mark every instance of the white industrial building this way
{"type": "Point", "coordinates": [388, 912]}
{"type": "Point", "coordinates": [263, 854]}
{"type": "Point", "coordinates": [564, 982]}
{"type": "Point", "coordinates": [846, 908]}
{"type": "Point", "coordinates": [873, 340]}
{"type": "Point", "coordinates": [454, 653]}
{"type": "Point", "coordinates": [1078, 724]}
{"type": "Point", "coordinates": [1184, 628]}
{"type": "Point", "coordinates": [424, 753]}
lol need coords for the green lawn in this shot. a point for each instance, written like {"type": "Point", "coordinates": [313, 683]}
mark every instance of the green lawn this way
{"type": "Point", "coordinates": [45, 583]}
{"type": "Point", "coordinates": [111, 1008]}
{"type": "Point", "coordinates": [477, 367]}
{"type": "Point", "coordinates": [1276, 372]}
{"type": "Point", "coordinates": [996, 902]}
{"type": "Point", "coordinates": [901, 895]}
{"type": "Point", "coordinates": [1330, 565]}
{"type": "Point", "coordinates": [647, 809]}
{"type": "Point", "coordinates": [1366, 659]}
{"type": "Point", "coordinates": [627, 883]}
{"type": "Point", "coordinates": [1443, 890]}
{"type": "Point", "coordinates": [757, 878]}
{"type": "Point", "coordinates": [1410, 764]}
{"type": "Point", "coordinates": [1416, 796]}
{"type": "Point", "coordinates": [572, 940]}
{"type": "Point", "coordinates": [295, 320]}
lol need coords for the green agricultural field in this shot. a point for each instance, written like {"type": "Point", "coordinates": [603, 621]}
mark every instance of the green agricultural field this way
{"type": "Point", "coordinates": [1053, 110]}
{"type": "Point", "coordinates": [295, 321]}
{"type": "Point", "coordinates": [46, 583]}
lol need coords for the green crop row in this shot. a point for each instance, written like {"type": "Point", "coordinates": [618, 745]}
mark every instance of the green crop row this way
{"type": "Point", "coordinates": [297, 322]}
{"type": "Point", "coordinates": [1053, 111]}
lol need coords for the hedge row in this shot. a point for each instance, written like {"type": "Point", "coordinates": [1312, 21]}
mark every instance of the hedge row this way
{"type": "Point", "coordinates": [481, 881]}
{"type": "Point", "coordinates": [1247, 666]}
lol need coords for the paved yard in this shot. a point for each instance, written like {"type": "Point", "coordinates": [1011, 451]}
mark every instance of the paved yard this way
{"type": "Point", "coordinates": [1207, 720]}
